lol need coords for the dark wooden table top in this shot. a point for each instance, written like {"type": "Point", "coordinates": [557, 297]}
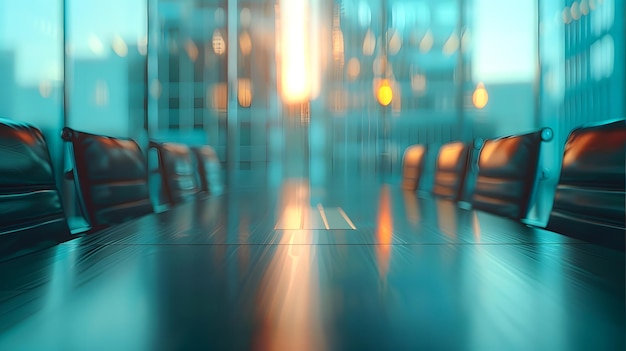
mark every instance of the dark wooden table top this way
{"type": "Point", "coordinates": [299, 267]}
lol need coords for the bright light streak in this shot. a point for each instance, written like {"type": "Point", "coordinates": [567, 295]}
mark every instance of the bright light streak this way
{"type": "Point", "coordinates": [384, 232]}
{"type": "Point", "coordinates": [295, 54]}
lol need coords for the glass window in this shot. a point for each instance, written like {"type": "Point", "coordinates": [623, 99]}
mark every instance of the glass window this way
{"type": "Point", "coordinates": [106, 58]}
{"type": "Point", "coordinates": [31, 67]}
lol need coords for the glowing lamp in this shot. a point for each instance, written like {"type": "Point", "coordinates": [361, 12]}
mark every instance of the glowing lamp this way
{"type": "Point", "coordinates": [480, 96]}
{"type": "Point", "coordinates": [385, 93]}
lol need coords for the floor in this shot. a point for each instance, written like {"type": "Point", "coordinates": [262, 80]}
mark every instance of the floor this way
{"type": "Point", "coordinates": [344, 262]}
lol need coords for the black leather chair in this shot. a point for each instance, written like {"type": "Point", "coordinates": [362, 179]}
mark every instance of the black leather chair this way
{"type": "Point", "coordinates": [111, 177]}
{"type": "Point", "coordinates": [176, 168]}
{"type": "Point", "coordinates": [450, 170]}
{"type": "Point", "coordinates": [208, 169]}
{"type": "Point", "coordinates": [589, 199]}
{"type": "Point", "coordinates": [413, 166]}
{"type": "Point", "coordinates": [31, 210]}
{"type": "Point", "coordinates": [507, 174]}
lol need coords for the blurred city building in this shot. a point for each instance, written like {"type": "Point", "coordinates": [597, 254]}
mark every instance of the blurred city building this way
{"type": "Point", "coordinates": [212, 72]}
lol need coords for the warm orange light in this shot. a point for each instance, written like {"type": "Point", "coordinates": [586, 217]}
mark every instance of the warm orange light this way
{"type": "Point", "coordinates": [244, 92]}
{"type": "Point", "coordinates": [295, 54]}
{"type": "Point", "coordinates": [220, 97]}
{"type": "Point", "coordinates": [384, 232]}
{"type": "Point", "coordinates": [385, 93]}
{"type": "Point", "coordinates": [288, 298]}
{"type": "Point", "coordinates": [480, 96]}
{"type": "Point", "coordinates": [295, 205]}
{"type": "Point", "coordinates": [449, 155]}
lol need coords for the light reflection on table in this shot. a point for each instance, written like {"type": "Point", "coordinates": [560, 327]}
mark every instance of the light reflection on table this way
{"type": "Point", "coordinates": [417, 272]}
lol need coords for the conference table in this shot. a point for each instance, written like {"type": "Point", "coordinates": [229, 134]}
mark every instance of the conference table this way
{"type": "Point", "coordinates": [302, 267]}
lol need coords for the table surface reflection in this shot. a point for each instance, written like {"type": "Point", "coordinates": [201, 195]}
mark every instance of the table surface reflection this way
{"type": "Point", "coordinates": [416, 273]}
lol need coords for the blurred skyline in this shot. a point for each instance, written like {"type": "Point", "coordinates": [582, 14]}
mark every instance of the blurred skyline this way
{"type": "Point", "coordinates": [503, 35]}
{"type": "Point", "coordinates": [437, 52]}
{"type": "Point", "coordinates": [93, 27]}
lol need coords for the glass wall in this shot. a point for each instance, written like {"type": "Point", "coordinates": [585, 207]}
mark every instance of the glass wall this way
{"type": "Point", "coordinates": [420, 52]}
{"type": "Point", "coordinates": [380, 75]}
{"type": "Point", "coordinates": [504, 60]}
{"type": "Point", "coordinates": [582, 71]}
{"type": "Point", "coordinates": [106, 61]}
{"type": "Point", "coordinates": [582, 56]}
{"type": "Point", "coordinates": [31, 67]}
{"type": "Point", "coordinates": [188, 73]}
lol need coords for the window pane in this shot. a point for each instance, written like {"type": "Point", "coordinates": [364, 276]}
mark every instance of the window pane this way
{"type": "Point", "coordinates": [106, 56]}
{"type": "Point", "coordinates": [31, 67]}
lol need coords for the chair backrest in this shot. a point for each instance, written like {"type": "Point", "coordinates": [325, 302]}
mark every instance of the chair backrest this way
{"type": "Point", "coordinates": [589, 198]}
{"type": "Point", "coordinates": [111, 177]}
{"type": "Point", "coordinates": [450, 170]}
{"type": "Point", "coordinates": [176, 167]}
{"type": "Point", "coordinates": [507, 173]}
{"type": "Point", "coordinates": [208, 169]}
{"type": "Point", "coordinates": [412, 166]}
{"type": "Point", "coordinates": [31, 210]}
